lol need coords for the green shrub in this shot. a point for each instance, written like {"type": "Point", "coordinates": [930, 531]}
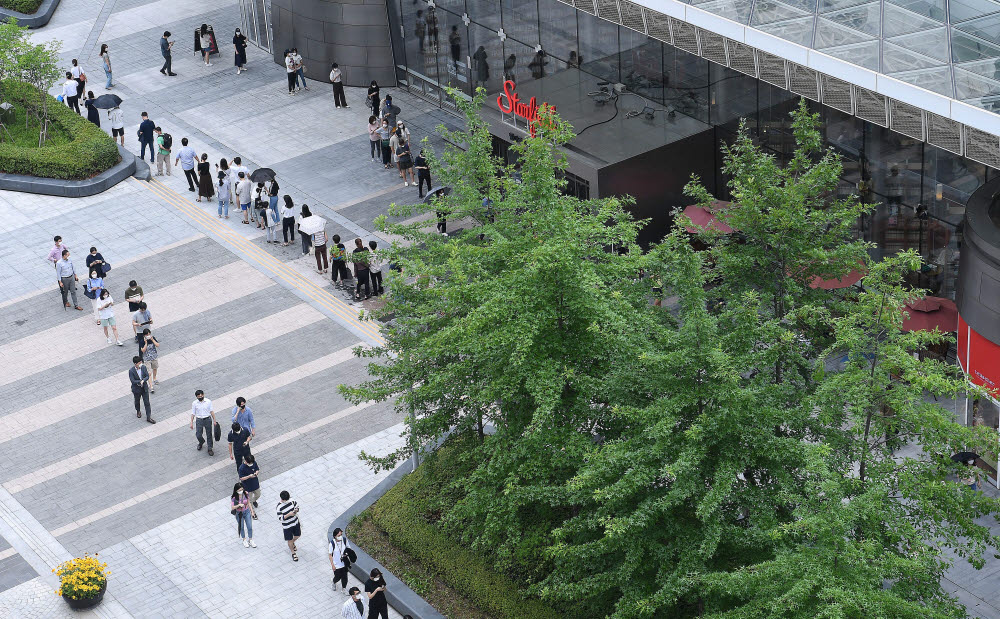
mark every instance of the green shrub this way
{"type": "Point", "coordinates": [27, 7]}
{"type": "Point", "coordinates": [88, 152]}
{"type": "Point", "coordinates": [397, 514]}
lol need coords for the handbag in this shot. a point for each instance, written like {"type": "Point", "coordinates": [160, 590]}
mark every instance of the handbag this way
{"type": "Point", "coordinates": [90, 294]}
{"type": "Point", "coordinates": [218, 432]}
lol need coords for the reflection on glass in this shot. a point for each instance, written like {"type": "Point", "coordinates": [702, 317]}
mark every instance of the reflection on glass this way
{"type": "Point", "coordinates": [598, 42]}
{"type": "Point", "coordinates": [641, 60]}
{"type": "Point", "coordinates": [520, 21]}
{"type": "Point", "coordinates": [559, 36]}
{"type": "Point", "coordinates": [896, 59]}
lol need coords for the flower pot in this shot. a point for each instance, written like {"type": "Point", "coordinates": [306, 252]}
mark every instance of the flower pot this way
{"type": "Point", "coordinates": [87, 602]}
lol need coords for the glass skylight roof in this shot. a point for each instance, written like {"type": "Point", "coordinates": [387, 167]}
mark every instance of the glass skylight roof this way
{"type": "Point", "coordinates": [951, 47]}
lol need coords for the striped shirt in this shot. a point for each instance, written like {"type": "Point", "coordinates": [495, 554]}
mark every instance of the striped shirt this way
{"type": "Point", "coordinates": [285, 508]}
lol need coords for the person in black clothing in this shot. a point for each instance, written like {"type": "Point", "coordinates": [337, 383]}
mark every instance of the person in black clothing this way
{"type": "Point", "coordinates": [165, 45]}
{"type": "Point", "coordinates": [239, 444]}
{"type": "Point", "coordinates": [93, 115]}
{"type": "Point", "coordinates": [375, 589]}
{"type": "Point", "coordinates": [374, 99]}
{"type": "Point", "coordinates": [146, 138]}
{"type": "Point", "coordinates": [240, 47]}
{"type": "Point", "coordinates": [339, 267]}
{"type": "Point", "coordinates": [361, 270]}
{"type": "Point", "coordinates": [423, 173]}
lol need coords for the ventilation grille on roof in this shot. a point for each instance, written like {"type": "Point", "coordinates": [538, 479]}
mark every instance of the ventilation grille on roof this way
{"type": "Point", "coordinates": [741, 57]}
{"type": "Point", "coordinates": [658, 25]}
{"type": "Point", "coordinates": [944, 133]}
{"type": "Point", "coordinates": [685, 36]}
{"type": "Point", "coordinates": [837, 94]}
{"type": "Point", "coordinates": [982, 147]}
{"type": "Point", "coordinates": [906, 119]}
{"type": "Point", "coordinates": [585, 5]}
{"type": "Point", "coordinates": [802, 81]}
{"type": "Point", "coordinates": [772, 69]}
{"type": "Point", "coordinates": [632, 16]}
{"type": "Point", "coordinates": [713, 47]}
{"type": "Point", "coordinates": [870, 106]}
{"type": "Point", "coordinates": [608, 9]}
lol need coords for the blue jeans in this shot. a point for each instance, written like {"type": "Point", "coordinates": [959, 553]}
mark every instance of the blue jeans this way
{"type": "Point", "coordinates": [302, 76]}
{"type": "Point", "coordinates": [243, 520]}
{"type": "Point", "coordinates": [107, 73]}
{"type": "Point", "coordinates": [273, 204]}
{"type": "Point", "coordinates": [223, 207]}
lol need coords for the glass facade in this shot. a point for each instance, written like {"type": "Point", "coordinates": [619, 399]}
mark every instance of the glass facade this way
{"type": "Point", "coordinates": [920, 190]}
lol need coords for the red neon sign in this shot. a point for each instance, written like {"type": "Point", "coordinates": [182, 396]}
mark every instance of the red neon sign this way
{"type": "Point", "coordinates": [527, 111]}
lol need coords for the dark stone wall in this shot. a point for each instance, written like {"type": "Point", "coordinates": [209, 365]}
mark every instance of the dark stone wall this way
{"type": "Point", "coordinates": [352, 33]}
{"type": "Point", "coordinates": [978, 294]}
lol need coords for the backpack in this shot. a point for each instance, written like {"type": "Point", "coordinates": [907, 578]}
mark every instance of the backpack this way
{"type": "Point", "coordinates": [168, 141]}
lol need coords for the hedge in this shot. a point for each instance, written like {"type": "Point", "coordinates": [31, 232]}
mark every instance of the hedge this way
{"type": "Point", "coordinates": [90, 151]}
{"type": "Point", "coordinates": [466, 572]}
{"type": "Point", "coordinates": [27, 7]}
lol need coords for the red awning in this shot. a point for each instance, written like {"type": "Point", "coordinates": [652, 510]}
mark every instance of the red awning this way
{"type": "Point", "coordinates": [708, 218]}
{"type": "Point", "coordinates": [834, 284]}
{"type": "Point", "coordinates": [931, 313]}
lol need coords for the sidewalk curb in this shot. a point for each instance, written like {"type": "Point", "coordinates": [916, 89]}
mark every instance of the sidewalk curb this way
{"type": "Point", "coordinates": [73, 189]}
{"type": "Point", "coordinates": [37, 19]}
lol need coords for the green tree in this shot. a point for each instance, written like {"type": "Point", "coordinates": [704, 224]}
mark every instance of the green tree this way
{"type": "Point", "coordinates": [38, 66]}
{"type": "Point", "coordinates": [13, 42]}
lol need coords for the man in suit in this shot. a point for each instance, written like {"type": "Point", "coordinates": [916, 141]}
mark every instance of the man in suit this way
{"type": "Point", "coordinates": [139, 377]}
{"type": "Point", "coordinates": [146, 138]}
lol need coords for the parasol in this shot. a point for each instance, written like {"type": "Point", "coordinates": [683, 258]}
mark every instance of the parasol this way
{"type": "Point", "coordinates": [262, 175]}
{"type": "Point", "coordinates": [931, 313]}
{"type": "Point", "coordinates": [705, 218]}
{"type": "Point", "coordinates": [107, 101]}
{"type": "Point", "coordinates": [312, 224]}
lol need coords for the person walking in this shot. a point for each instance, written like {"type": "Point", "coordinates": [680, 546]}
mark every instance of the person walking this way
{"type": "Point", "coordinates": [145, 133]}
{"type": "Point", "coordinates": [165, 45]}
{"type": "Point", "coordinates": [142, 320]}
{"type": "Point", "coordinates": [106, 312]}
{"type": "Point", "coordinates": [306, 238]}
{"type": "Point", "coordinates": [287, 221]}
{"type": "Point", "coordinates": [92, 290]}
{"type": "Point", "coordinates": [353, 608]}
{"type": "Point", "coordinates": [288, 516]}
{"type": "Point", "coordinates": [70, 96]}
{"type": "Point", "coordinates": [375, 590]}
{"type": "Point", "coordinates": [55, 254]}
{"type": "Point", "coordinates": [187, 157]}
{"type": "Point", "coordinates": [206, 43]}
{"type": "Point", "coordinates": [117, 119]}
{"type": "Point", "coordinates": [423, 173]}
{"type": "Point", "coordinates": [150, 350]}
{"type": "Point", "coordinates": [300, 68]}
{"type": "Point", "coordinates": [290, 71]}
{"type": "Point", "coordinates": [93, 114]}
{"type": "Point", "coordinates": [336, 78]}
{"type": "Point", "coordinates": [405, 161]}
{"type": "Point", "coordinates": [244, 416]}
{"type": "Point", "coordinates": [205, 188]}
{"type": "Point", "coordinates": [80, 76]}
{"type": "Point", "coordinates": [338, 544]}
{"type": "Point", "coordinates": [373, 138]}
{"type": "Point", "coordinates": [244, 195]}
{"type": "Point", "coordinates": [163, 144]}
{"type": "Point", "coordinates": [138, 375]}
{"type": "Point", "coordinates": [240, 48]}
{"type": "Point", "coordinates": [67, 278]}
{"type": "Point", "coordinates": [248, 472]}
{"type": "Point", "coordinates": [240, 507]}
{"type": "Point", "coordinates": [203, 416]}
{"type": "Point", "coordinates": [375, 269]}
{"type": "Point", "coordinates": [106, 61]}
{"type": "Point", "coordinates": [338, 262]}
{"type": "Point", "coordinates": [374, 97]}
{"type": "Point", "coordinates": [360, 256]}
{"type": "Point", "coordinates": [239, 444]}
{"type": "Point", "coordinates": [134, 296]}
{"type": "Point", "coordinates": [96, 261]}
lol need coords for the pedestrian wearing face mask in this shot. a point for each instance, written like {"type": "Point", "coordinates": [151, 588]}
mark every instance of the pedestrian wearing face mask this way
{"type": "Point", "coordinates": [339, 560]}
{"type": "Point", "coordinates": [375, 590]}
{"type": "Point", "coordinates": [354, 608]}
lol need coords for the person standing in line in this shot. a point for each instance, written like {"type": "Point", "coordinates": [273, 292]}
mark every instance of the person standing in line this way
{"type": "Point", "coordinates": [138, 375]}
{"type": "Point", "coordinates": [375, 590]}
{"type": "Point", "coordinates": [306, 238]}
{"type": "Point", "coordinates": [96, 261]}
{"type": "Point", "coordinates": [259, 204]}
{"type": "Point", "coordinates": [384, 137]}
{"type": "Point", "coordinates": [70, 95]}
{"type": "Point", "coordinates": [353, 608]}
{"type": "Point", "coordinates": [142, 319]}
{"type": "Point", "coordinates": [203, 416]}
{"type": "Point", "coordinates": [67, 278]}
{"type": "Point", "coordinates": [106, 312]}
{"type": "Point", "coordinates": [244, 194]}
{"type": "Point", "coordinates": [319, 245]}
{"type": "Point", "coordinates": [373, 139]}
{"type": "Point", "coordinates": [92, 290]}
{"type": "Point", "coordinates": [288, 515]}
{"type": "Point", "coordinates": [273, 220]}
{"type": "Point", "coordinates": [338, 260]}
{"type": "Point", "coordinates": [223, 193]}
{"type": "Point", "coordinates": [150, 350]}
{"type": "Point", "coordinates": [287, 221]}
{"type": "Point", "coordinates": [93, 114]}
{"type": "Point", "coordinates": [239, 444]}
{"type": "Point", "coordinates": [375, 269]}
{"type": "Point", "coordinates": [423, 173]}
{"type": "Point", "coordinates": [117, 118]}
{"type": "Point", "coordinates": [238, 167]}
{"type": "Point", "coordinates": [205, 189]}
{"type": "Point", "coordinates": [165, 45]}
{"type": "Point", "coordinates": [272, 198]}
{"type": "Point", "coordinates": [336, 551]}
{"type": "Point", "coordinates": [106, 61]}
{"type": "Point", "coordinates": [389, 111]}
{"type": "Point", "coordinates": [240, 506]}
{"type": "Point", "coordinates": [420, 30]}
{"type": "Point", "coordinates": [187, 157]}
{"type": "Point", "coordinates": [206, 43]}
{"type": "Point", "coordinates": [162, 152]}
{"type": "Point", "coordinates": [134, 296]}
{"type": "Point", "coordinates": [402, 134]}
{"type": "Point", "coordinates": [244, 416]}
{"type": "Point", "coordinates": [55, 254]}
{"type": "Point", "coordinates": [240, 47]}
{"type": "Point", "coordinates": [337, 79]}
{"type": "Point", "coordinates": [300, 68]}
{"type": "Point", "coordinates": [80, 76]}
{"type": "Point", "coordinates": [290, 71]}
{"type": "Point", "coordinates": [374, 97]}
{"type": "Point", "coordinates": [248, 472]}
{"type": "Point", "coordinates": [405, 160]}
{"type": "Point", "coordinates": [145, 133]}
{"type": "Point", "coordinates": [360, 256]}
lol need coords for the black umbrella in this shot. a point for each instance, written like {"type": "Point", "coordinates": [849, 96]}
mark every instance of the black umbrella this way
{"type": "Point", "coordinates": [964, 456]}
{"type": "Point", "coordinates": [262, 175]}
{"type": "Point", "coordinates": [108, 101]}
{"type": "Point", "coordinates": [437, 191]}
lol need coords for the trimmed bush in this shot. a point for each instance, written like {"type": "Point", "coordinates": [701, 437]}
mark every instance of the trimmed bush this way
{"type": "Point", "coordinates": [27, 7]}
{"type": "Point", "coordinates": [89, 151]}
{"type": "Point", "coordinates": [467, 573]}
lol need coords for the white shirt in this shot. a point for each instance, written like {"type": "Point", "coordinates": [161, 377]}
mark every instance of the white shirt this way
{"type": "Point", "coordinates": [105, 312]}
{"type": "Point", "coordinates": [350, 609]}
{"type": "Point", "coordinates": [69, 88]}
{"type": "Point", "coordinates": [287, 211]}
{"type": "Point", "coordinates": [117, 118]}
{"type": "Point", "coordinates": [202, 409]}
{"type": "Point", "coordinates": [243, 189]}
{"type": "Point", "coordinates": [289, 64]}
{"type": "Point", "coordinates": [76, 71]}
{"type": "Point", "coordinates": [234, 172]}
{"type": "Point", "coordinates": [335, 75]}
